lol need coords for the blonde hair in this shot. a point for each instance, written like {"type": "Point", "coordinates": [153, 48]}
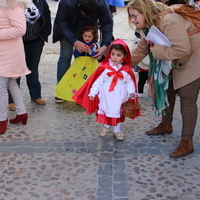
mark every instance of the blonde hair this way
{"type": "Point", "coordinates": [152, 11]}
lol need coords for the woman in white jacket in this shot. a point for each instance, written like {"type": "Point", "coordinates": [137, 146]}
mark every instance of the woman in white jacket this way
{"type": "Point", "coordinates": [12, 62]}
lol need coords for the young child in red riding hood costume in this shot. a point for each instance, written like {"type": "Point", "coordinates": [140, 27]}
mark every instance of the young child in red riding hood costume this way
{"type": "Point", "coordinates": [112, 84]}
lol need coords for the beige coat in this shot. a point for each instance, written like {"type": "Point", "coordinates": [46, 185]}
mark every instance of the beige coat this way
{"type": "Point", "coordinates": [185, 51]}
{"type": "Point", "coordinates": [12, 28]}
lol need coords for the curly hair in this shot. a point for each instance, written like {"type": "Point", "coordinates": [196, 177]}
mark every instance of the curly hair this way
{"type": "Point", "coordinates": [152, 11]}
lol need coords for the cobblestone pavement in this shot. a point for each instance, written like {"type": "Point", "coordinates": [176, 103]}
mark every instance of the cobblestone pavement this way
{"type": "Point", "coordinates": [59, 154]}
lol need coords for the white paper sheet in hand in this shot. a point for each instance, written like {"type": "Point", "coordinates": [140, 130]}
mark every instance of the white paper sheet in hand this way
{"type": "Point", "coordinates": [157, 37]}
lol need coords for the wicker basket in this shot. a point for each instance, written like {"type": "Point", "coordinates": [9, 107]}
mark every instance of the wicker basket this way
{"type": "Point", "coordinates": [130, 109]}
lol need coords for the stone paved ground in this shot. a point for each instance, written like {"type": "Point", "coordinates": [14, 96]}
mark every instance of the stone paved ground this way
{"type": "Point", "coordinates": [59, 155]}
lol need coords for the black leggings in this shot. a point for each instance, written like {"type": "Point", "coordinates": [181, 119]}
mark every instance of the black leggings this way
{"type": "Point", "coordinates": [143, 76]}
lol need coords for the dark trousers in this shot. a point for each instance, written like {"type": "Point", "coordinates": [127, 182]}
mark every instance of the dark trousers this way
{"type": "Point", "coordinates": [143, 76]}
{"type": "Point", "coordinates": [188, 106]}
{"type": "Point", "coordinates": [33, 53]}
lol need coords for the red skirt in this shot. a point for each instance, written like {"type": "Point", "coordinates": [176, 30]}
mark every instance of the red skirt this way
{"type": "Point", "coordinates": [109, 120]}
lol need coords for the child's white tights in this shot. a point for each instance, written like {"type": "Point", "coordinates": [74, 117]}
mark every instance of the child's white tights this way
{"type": "Point", "coordinates": [116, 128]}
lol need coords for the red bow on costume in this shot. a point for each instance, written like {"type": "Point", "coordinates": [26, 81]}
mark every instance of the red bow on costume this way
{"type": "Point", "coordinates": [91, 45]}
{"type": "Point", "coordinates": [117, 75]}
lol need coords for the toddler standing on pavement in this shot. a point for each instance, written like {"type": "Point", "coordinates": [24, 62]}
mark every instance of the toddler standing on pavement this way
{"type": "Point", "coordinates": [112, 84]}
{"type": "Point", "coordinates": [82, 67]}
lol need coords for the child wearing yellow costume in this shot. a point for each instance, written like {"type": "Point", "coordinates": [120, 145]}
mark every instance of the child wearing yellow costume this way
{"type": "Point", "coordinates": [82, 67]}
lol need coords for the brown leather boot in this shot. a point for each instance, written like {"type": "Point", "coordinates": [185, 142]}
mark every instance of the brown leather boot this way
{"type": "Point", "coordinates": [185, 147]}
{"type": "Point", "coordinates": [160, 129]}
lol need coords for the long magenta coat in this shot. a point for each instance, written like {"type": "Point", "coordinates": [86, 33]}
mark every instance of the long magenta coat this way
{"type": "Point", "coordinates": [12, 28]}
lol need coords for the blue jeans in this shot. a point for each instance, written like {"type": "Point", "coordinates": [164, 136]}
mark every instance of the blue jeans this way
{"type": "Point", "coordinates": [33, 53]}
{"type": "Point", "coordinates": [64, 61]}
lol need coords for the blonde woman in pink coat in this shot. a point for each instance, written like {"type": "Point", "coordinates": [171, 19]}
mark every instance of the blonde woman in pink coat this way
{"type": "Point", "coordinates": [12, 62]}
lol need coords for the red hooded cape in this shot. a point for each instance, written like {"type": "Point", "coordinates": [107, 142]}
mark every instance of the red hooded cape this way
{"type": "Point", "coordinates": [81, 96]}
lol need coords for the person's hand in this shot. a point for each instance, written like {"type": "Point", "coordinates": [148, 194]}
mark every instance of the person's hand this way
{"type": "Point", "coordinates": [132, 95]}
{"type": "Point", "coordinates": [80, 46]}
{"type": "Point", "coordinates": [91, 98]}
{"type": "Point", "coordinates": [100, 52]}
{"type": "Point", "coordinates": [151, 44]}
{"type": "Point", "coordinates": [89, 51]}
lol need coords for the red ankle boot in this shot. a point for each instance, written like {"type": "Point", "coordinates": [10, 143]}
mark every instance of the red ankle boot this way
{"type": "Point", "coordinates": [3, 126]}
{"type": "Point", "coordinates": [20, 118]}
